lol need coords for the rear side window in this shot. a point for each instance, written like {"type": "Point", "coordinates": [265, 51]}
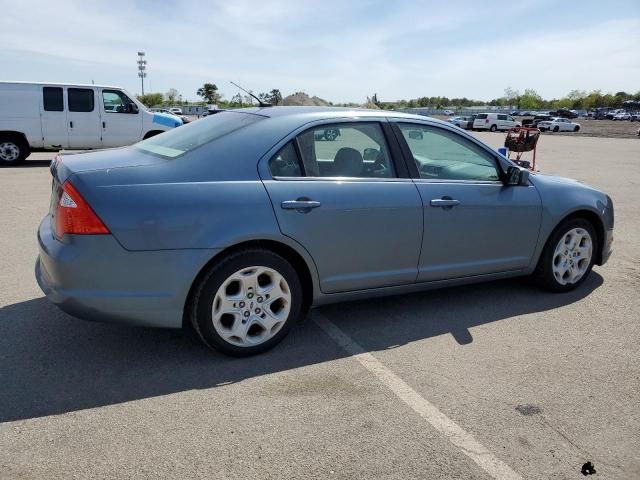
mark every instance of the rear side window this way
{"type": "Point", "coordinates": [481, 116]}
{"type": "Point", "coordinates": [52, 99]}
{"type": "Point", "coordinates": [183, 139]}
{"type": "Point", "coordinates": [80, 99]}
{"type": "Point", "coordinates": [285, 163]}
{"type": "Point", "coordinates": [502, 117]}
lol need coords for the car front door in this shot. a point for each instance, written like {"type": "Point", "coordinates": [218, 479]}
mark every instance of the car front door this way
{"type": "Point", "coordinates": [121, 119]}
{"type": "Point", "coordinates": [83, 118]}
{"type": "Point", "coordinates": [340, 191]}
{"type": "Point", "coordinates": [473, 223]}
{"type": "Point", "coordinates": [54, 118]}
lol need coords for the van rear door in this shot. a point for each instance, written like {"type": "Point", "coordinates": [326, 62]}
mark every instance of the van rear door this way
{"type": "Point", "coordinates": [54, 118]}
{"type": "Point", "coordinates": [83, 118]}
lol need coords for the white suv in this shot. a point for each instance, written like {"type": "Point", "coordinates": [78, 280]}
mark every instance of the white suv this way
{"type": "Point", "coordinates": [494, 121]}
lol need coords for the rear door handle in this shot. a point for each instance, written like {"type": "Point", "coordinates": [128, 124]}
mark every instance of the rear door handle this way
{"type": "Point", "coordinates": [71, 124]}
{"type": "Point", "coordinates": [104, 125]}
{"type": "Point", "coordinates": [444, 202]}
{"type": "Point", "coordinates": [300, 204]}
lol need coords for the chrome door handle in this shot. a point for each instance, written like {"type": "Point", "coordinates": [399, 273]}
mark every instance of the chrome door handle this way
{"type": "Point", "coordinates": [444, 202]}
{"type": "Point", "coordinates": [299, 204]}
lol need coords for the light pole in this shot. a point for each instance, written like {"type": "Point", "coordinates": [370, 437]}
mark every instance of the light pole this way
{"type": "Point", "coordinates": [142, 66]}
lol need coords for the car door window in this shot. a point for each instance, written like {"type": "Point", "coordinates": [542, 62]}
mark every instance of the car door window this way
{"type": "Point", "coordinates": [356, 150]}
{"type": "Point", "coordinates": [285, 163]}
{"type": "Point", "coordinates": [502, 117]}
{"type": "Point", "coordinates": [444, 155]}
{"type": "Point", "coordinates": [80, 99]}
{"type": "Point", "coordinates": [115, 101]}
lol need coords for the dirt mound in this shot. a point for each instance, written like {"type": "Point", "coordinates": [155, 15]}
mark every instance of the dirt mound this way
{"type": "Point", "coordinates": [301, 99]}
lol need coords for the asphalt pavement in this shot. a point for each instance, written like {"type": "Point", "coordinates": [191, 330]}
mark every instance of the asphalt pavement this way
{"type": "Point", "coordinates": [498, 380]}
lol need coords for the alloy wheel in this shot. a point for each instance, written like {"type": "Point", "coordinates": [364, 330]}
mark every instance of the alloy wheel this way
{"type": "Point", "coordinates": [251, 306]}
{"type": "Point", "coordinates": [572, 256]}
{"type": "Point", "coordinates": [9, 152]}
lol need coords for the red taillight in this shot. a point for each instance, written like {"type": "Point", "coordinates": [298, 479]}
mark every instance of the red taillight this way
{"type": "Point", "coordinates": [74, 215]}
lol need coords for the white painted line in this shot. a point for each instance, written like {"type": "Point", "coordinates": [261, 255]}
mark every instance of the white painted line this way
{"type": "Point", "coordinates": [429, 412]}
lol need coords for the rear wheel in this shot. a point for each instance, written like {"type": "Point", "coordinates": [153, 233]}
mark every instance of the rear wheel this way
{"type": "Point", "coordinates": [493, 128]}
{"type": "Point", "coordinates": [331, 134]}
{"type": "Point", "coordinates": [247, 303]}
{"type": "Point", "coordinates": [568, 256]}
{"type": "Point", "coordinates": [556, 128]}
{"type": "Point", "coordinates": [576, 128]}
{"type": "Point", "coordinates": [13, 150]}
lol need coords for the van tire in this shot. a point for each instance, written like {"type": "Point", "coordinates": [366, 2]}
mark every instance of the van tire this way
{"type": "Point", "coordinates": [493, 128]}
{"type": "Point", "coordinates": [152, 133]}
{"type": "Point", "coordinates": [10, 144]}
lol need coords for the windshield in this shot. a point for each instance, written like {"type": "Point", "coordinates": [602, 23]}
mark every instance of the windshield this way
{"type": "Point", "coordinates": [188, 137]}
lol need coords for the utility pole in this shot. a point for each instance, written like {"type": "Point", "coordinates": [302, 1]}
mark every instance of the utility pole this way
{"type": "Point", "coordinates": [142, 66]}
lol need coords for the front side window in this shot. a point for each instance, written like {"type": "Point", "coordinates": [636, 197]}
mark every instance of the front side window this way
{"type": "Point", "coordinates": [52, 99]}
{"type": "Point", "coordinates": [115, 101]}
{"type": "Point", "coordinates": [80, 99]}
{"type": "Point", "coordinates": [444, 155]}
{"type": "Point", "coordinates": [502, 117]}
{"type": "Point", "coordinates": [356, 150]}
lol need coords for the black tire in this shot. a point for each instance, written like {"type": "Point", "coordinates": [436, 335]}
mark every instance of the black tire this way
{"type": "Point", "coordinates": [15, 149]}
{"type": "Point", "coordinates": [152, 133]}
{"type": "Point", "coordinates": [493, 128]}
{"type": "Point", "coordinates": [543, 274]}
{"type": "Point", "coordinates": [556, 128]}
{"type": "Point", "coordinates": [200, 308]}
{"type": "Point", "coordinates": [576, 128]}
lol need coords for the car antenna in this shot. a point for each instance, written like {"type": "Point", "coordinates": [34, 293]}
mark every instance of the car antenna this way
{"type": "Point", "coordinates": [260, 102]}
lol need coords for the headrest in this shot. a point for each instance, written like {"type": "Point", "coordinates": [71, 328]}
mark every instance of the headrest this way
{"type": "Point", "coordinates": [348, 163]}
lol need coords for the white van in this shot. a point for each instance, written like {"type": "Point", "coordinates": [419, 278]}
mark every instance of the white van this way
{"type": "Point", "coordinates": [494, 121]}
{"type": "Point", "coordinates": [55, 116]}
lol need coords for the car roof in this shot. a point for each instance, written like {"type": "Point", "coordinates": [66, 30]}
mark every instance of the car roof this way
{"type": "Point", "coordinates": [313, 113]}
{"type": "Point", "coordinates": [58, 84]}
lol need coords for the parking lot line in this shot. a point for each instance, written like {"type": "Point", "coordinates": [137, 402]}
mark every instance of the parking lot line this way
{"type": "Point", "coordinates": [462, 439]}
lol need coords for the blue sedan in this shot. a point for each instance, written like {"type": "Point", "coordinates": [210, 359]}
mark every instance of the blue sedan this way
{"type": "Point", "coordinates": [238, 223]}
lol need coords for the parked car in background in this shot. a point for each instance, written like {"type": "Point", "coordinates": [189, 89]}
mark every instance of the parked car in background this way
{"type": "Point", "coordinates": [448, 112]}
{"type": "Point", "coordinates": [238, 223]}
{"type": "Point", "coordinates": [461, 122]}
{"type": "Point", "coordinates": [56, 116]}
{"type": "Point", "coordinates": [184, 118]}
{"type": "Point", "coordinates": [564, 113]}
{"type": "Point", "coordinates": [635, 117]}
{"type": "Point", "coordinates": [176, 111]}
{"type": "Point", "coordinates": [533, 122]}
{"type": "Point", "coordinates": [622, 116]}
{"type": "Point", "coordinates": [558, 125]}
{"type": "Point", "coordinates": [494, 122]}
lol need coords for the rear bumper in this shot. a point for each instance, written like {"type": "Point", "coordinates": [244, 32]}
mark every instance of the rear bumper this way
{"type": "Point", "coordinates": [92, 277]}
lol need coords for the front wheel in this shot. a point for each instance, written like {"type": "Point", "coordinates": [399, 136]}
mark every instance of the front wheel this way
{"type": "Point", "coordinates": [493, 128]}
{"type": "Point", "coordinates": [556, 129]}
{"type": "Point", "coordinates": [247, 303]}
{"type": "Point", "coordinates": [568, 256]}
{"type": "Point", "coordinates": [576, 128]}
{"type": "Point", "coordinates": [331, 134]}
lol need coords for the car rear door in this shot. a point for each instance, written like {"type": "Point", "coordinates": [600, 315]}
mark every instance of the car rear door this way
{"type": "Point", "coordinates": [83, 118]}
{"type": "Point", "coordinates": [54, 118]}
{"type": "Point", "coordinates": [473, 223]}
{"type": "Point", "coordinates": [348, 201]}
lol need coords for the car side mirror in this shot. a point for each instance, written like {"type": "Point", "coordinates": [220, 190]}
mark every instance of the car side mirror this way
{"type": "Point", "coordinates": [516, 176]}
{"type": "Point", "coordinates": [133, 108]}
{"type": "Point", "coordinates": [370, 153]}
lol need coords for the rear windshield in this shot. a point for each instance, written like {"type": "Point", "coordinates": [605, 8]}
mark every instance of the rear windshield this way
{"type": "Point", "coordinates": [482, 116]}
{"type": "Point", "coordinates": [195, 134]}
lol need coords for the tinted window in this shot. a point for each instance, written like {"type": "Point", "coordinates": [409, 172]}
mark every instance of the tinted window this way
{"type": "Point", "coordinates": [443, 155]}
{"type": "Point", "coordinates": [80, 99]}
{"type": "Point", "coordinates": [481, 116]}
{"type": "Point", "coordinates": [52, 99]}
{"type": "Point", "coordinates": [285, 163]}
{"type": "Point", "coordinates": [502, 117]}
{"type": "Point", "coordinates": [195, 134]}
{"type": "Point", "coordinates": [354, 150]}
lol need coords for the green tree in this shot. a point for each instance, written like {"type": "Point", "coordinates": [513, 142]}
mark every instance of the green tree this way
{"type": "Point", "coordinates": [530, 100]}
{"type": "Point", "coordinates": [171, 95]}
{"type": "Point", "coordinates": [209, 92]}
{"type": "Point", "coordinates": [151, 99]}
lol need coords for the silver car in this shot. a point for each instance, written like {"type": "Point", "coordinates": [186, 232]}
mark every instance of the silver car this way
{"type": "Point", "coordinates": [236, 224]}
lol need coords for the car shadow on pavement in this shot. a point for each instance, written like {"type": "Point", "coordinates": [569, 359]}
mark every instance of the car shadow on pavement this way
{"type": "Point", "coordinates": [52, 363]}
{"type": "Point", "coordinates": [29, 164]}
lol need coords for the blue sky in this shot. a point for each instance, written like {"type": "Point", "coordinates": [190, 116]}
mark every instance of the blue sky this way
{"type": "Point", "coordinates": [338, 50]}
